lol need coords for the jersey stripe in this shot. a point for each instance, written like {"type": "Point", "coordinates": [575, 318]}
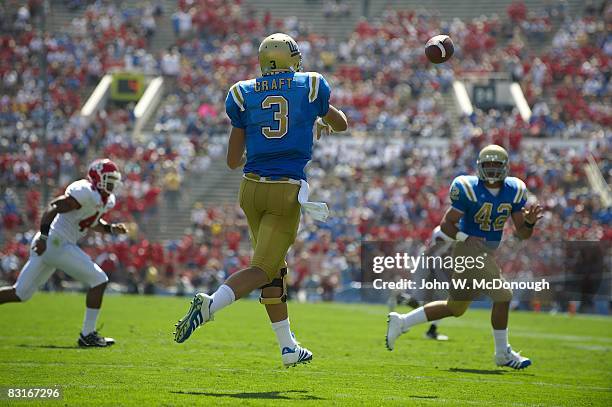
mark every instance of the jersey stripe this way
{"type": "Point", "coordinates": [469, 191]}
{"type": "Point", "coordinates": [237, 95]}
{"type": "Point", "coordinates": [314, 87]}
{"type": "Point", "coordinates": [520, 192]}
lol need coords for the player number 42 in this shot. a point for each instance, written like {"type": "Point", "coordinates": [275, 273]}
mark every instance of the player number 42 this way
{"type": "Point", "coordinates": [483, 216]}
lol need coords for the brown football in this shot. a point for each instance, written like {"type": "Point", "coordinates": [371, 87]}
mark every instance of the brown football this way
{"type": "Point", "coordinates": [439, 49]}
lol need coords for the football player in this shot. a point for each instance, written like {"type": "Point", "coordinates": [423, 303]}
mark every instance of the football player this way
{"type": "Point", "coordinates": [64, 222]}
{"type": "Point", "coordinates": [439, 246]}
{"type": "Point", "coordinates": [272, 119]}
{"type": "Point", "coordinates": [480, 205]}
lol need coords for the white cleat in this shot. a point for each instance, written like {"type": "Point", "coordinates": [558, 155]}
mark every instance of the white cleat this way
{"type": "Point", "coordinates": [512, 359]}
{"type": "Point", "coordinates": [197, 315]}
{"type": "Point", "coordinates": [295, 356]}
{"type": "Point", "coordinates": [394, 329]}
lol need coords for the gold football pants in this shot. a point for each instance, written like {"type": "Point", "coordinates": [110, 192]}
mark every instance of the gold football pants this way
{"type": "Point", "coordinates": [459, 299]}
{"type": "Point", "coordinates": [273, 213]}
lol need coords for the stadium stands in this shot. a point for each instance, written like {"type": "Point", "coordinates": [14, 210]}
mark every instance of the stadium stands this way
{"type": "Point", "coordinates": [391, 180]}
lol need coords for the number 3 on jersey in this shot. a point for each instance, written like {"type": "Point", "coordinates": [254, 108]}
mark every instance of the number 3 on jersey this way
{"type": "Point", "coordinates": [281, 116]}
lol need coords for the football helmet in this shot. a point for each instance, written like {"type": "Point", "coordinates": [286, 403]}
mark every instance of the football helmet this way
{"type": "Point", "coordinates": [492, 154]}
{"type": "Point", "coordinates": [279, 53]}
{"type": "Point", "coordinates": [104, 175]}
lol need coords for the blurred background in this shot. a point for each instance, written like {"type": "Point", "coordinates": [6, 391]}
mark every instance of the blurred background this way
{"type": "Point", "coordinates": [144, 83]}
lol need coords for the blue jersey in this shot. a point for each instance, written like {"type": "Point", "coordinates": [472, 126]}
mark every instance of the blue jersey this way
{"type": "Point", "coordinates": [278, 112]}
{"type": "Point", "coordinates": [485, 214]}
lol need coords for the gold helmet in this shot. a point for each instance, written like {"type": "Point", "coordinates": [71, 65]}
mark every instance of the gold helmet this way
{"type": "Point", "coordinates": [492, 154]}
{"type": "Point", "coordinates": [279, 52]}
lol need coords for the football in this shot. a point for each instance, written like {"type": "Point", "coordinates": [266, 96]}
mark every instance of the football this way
{"type": "Point", "coordinates": [439, 49]}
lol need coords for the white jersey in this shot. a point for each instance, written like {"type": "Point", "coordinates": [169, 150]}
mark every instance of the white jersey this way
{"type": "Point", "coordinates": [73, 225]}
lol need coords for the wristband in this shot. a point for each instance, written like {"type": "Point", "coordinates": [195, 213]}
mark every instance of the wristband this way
{"type": "Point", "coordinates": [461, 236]}
{"type": "Point", "coordinates": [529, 225]}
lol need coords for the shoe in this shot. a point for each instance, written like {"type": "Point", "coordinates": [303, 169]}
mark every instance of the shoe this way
{"type": "Point", "coordinates": [432, 333]}
{"type": "Point", "coordinates": [94, 340]}
{"type": "Point", "coordinates": [295, 356]}
{"type": "Point", "coordinates": [198, 314]}
{"type": "Point", "coordinates": [512, 359]}
{"type": "Point", "coordinates": [394, 329]}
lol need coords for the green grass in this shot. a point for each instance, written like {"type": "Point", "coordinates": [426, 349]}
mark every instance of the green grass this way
{"type": "Point", "coordinates": [235, 359]}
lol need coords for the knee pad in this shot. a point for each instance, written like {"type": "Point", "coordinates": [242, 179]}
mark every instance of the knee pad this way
{"type": "Point", "coordinates": [277, 282]}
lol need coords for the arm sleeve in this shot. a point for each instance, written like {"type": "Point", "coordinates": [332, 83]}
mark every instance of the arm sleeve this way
{"type": "Point", "coordinates": [323, 96]}
{"type": "Point", "coordinates": [458, 196]}
{"type": "Point", "coordinates": [520, 198]}
{"type": "Point", "coordinates": [318, 93]}
{"type": "Point", "coordinates": [234, 107]}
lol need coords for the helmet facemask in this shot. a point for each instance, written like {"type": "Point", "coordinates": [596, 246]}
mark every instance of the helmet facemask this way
{"type": "Point", "coordinates": [492, 169]}
{"type": "Point", "coordinates": [110, 182]}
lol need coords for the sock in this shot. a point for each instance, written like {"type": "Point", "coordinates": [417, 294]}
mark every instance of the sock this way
{"type": "Point", "coordinates": [223, 297]}
{"type": "Point", "coordinates": [413, 318]}
{"type": "Point", "coordinates": [501, 340]}
{"type": "Point", "coordinates": [89, 324]}
{"type": "Point", "coordinates": [283, 334]}
{"type": "Point", "coordinates": [435, 323]}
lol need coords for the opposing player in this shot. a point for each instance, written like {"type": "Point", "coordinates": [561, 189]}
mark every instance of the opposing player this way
{"type": "Point", "coordinates": [439, 245]}
{"type": "Point", "coordinates": [272, 117]}
{"type": "Point", "coordinates": [63, 223]}
{"type": "Point", "coordinates": [480, 205]}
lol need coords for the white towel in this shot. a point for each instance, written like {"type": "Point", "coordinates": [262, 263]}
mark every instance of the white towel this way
{"type": "Point", "coordinates": [318, 210]}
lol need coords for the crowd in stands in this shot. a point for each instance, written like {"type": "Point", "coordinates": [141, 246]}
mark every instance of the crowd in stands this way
{"type": "Point", "coordinates": [335, 9]}
{"type": "Point", "coordinates": [377, 187]}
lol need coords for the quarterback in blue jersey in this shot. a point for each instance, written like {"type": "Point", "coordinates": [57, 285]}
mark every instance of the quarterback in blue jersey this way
{"type": "Point", "coordinates": [480, 206]}
{"type": "Point", "coordinates": [272, 121]}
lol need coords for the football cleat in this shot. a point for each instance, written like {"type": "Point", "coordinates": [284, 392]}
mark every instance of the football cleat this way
{"type": "Point", "coordinates": [433, 333]}
{"type": "Point", "coordinates": [94, 340]}
{"type": "Point", "coordinates": [295, 356]}
{"type": "Point", "coordinates": [198, 314]}
{"type": "Point", "coordinates": [512, 359]}
{"type": "Point", "coordinates": [394, 329]}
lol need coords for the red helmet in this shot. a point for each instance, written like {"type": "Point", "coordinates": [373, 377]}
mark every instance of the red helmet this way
{"type": "Point", "coordinates": [104, 175]}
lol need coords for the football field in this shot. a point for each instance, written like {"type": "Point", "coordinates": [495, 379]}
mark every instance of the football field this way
{"type": "Point", "coordinates": [235, 360]}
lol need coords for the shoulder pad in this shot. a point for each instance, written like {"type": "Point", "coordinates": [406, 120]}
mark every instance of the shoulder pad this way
{"type": "Point", "coordinates": [520, 187]}
{"type": "Point", "coordinates": [314, 81]}
{"type": "Point", "coordinates": [81, 190]}
{"type": "Point", "coordinates": [237, 95]}
{"type": "Point", "coordinates": [463, 183]}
